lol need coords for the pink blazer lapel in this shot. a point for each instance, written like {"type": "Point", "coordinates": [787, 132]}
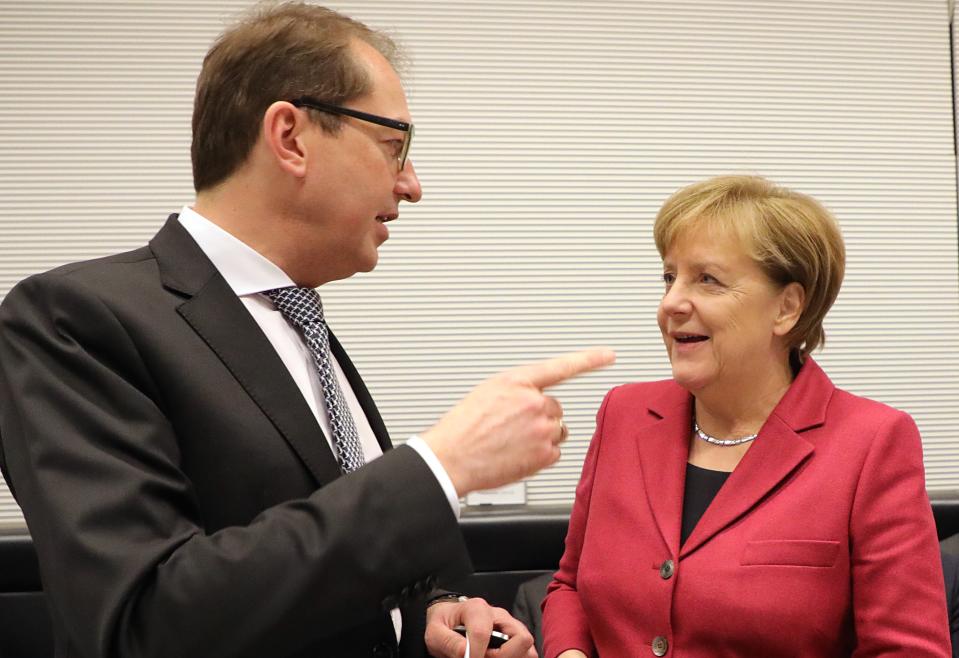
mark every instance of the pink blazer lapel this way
{"type": "Point", "coordinates": [663, 446]}
{"type": "Point", "coordinates": [777, 453]}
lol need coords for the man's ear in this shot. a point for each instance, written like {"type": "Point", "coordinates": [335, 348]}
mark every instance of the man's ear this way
{"type": "Point", "coordinates": [792, 301]}
{"type": "Point", "coordinates": [282, 132]}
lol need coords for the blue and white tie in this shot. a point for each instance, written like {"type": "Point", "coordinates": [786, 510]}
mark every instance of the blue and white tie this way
{"type": "Point", "coordinates": [303, 309]}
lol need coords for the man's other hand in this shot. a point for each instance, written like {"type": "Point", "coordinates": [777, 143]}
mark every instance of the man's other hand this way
{"type": "Point", "coordinates": [480, 618]}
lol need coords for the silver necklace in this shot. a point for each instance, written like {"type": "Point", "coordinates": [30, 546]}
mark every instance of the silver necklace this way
{"type": "Point", "coordinates": [721, 442]}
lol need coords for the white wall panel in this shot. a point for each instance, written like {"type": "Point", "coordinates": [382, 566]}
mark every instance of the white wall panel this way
{"type": "Point", "coordinates": [548, 134]}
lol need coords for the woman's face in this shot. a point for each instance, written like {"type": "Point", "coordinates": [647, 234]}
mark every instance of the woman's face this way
{"type": "Point", "coordinates": [721, 317]}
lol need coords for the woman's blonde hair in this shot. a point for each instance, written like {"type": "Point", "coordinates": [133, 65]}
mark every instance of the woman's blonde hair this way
{"type": "Point", "coordinates": [790, 235]}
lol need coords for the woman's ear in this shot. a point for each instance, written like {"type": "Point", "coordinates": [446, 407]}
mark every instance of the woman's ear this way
{"type": "Point", "coordinates": [792, 301]}
{"type": "Point", "coordinates": [282, 131]}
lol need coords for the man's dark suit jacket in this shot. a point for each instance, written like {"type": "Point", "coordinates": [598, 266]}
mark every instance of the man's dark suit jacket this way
{"type": "Point", "coordinates": [180, 493]}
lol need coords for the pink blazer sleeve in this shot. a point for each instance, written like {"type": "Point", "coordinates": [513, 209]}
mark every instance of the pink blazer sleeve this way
{"type": "Point", "coordinates": [899, 604]}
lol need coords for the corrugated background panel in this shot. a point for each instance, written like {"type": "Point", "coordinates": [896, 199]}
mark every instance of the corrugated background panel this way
{"type": "Point", "coordinates": [548, 134]}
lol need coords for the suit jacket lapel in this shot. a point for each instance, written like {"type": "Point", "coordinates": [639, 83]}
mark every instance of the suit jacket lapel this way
{"type": "Point", "coordinates": [778, 452]}
{"type": "Point", "coordinates": [663, 446]}
{"type": "Point", "coordinates": [362, 394]}
{"type": "Point", "coordinates": [221, 320]}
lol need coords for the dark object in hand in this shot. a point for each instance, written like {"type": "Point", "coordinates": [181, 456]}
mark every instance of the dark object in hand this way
{"type": "Point", "coordinates": [496, 639]}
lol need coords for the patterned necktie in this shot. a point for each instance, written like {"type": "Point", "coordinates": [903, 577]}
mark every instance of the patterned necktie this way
{"type": "Point", "coordinates": [304, 310]}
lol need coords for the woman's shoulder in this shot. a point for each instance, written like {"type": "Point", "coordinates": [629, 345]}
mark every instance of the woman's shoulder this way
{"type": "Point", "coordinates": [634, 391]}
{"type": "Point", "coordinates": [863, 426]}
{"type": "Point", "coordinates": [874, 411]}
{"type": "Point", "coordinates": [814, 398]}
{"type": "Point", "coordinates": [636, 397]}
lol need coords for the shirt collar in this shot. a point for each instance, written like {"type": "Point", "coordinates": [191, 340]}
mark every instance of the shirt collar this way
{"type": "Point", "coordinates": [245, 270]}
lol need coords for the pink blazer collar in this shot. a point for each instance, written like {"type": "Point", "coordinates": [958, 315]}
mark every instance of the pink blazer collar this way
{"type": "Point", "coordinates": [663, 444]}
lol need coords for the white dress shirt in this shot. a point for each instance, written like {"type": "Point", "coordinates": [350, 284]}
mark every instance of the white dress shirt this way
{"type": "Point", "coordinates": [249, 275]}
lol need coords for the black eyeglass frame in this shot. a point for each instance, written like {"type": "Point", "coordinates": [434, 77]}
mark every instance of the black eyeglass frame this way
{"type": "Point", "coordinates": [312, 103]}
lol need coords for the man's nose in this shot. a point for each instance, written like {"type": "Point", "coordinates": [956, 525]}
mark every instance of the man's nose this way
{"type": "Point", "coordinates": [408, 184]}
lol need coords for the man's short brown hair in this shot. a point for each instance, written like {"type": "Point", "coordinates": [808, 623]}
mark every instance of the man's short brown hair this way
{"type": "Point", "coordinates": [276, 52]}
{"type": "Point", "coordinates": [790, 235]}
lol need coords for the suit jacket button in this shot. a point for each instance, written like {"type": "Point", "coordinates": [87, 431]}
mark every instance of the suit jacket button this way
{"type": "Point", "coordinates": [667, 569]}
{"type": "Point", "coordinates": [660, 646]}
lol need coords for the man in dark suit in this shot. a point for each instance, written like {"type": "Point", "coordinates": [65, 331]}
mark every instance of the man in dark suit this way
{"type": "Point", "coordinates": [201, 468]}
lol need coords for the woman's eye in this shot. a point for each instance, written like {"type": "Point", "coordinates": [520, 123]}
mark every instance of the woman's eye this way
{"type": "Point", "coordinates": [668, 278]}
{"type": "Point", "coordinates": [709, 278]}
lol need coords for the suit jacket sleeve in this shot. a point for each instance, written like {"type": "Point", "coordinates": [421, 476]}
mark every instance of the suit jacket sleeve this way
{"type": "Point", "coordinates": [564, 621]}
{"type": "Point", "coordinates": [117, 526]}
{"type": "Point", "coordinates": [898, 599]}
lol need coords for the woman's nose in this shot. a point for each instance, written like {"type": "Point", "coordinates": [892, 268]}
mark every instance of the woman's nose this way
{"type": "Point", "coordinates": [676, 299]}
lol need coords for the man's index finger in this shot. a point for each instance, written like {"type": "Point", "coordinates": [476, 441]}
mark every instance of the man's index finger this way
{"type": "Point", "coordinates": [558, 369]}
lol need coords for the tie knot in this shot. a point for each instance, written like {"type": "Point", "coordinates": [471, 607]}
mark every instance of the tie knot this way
{"type": "Point", "coordinates": [301, 306]}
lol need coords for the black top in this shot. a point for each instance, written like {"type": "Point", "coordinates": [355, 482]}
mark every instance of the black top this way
{"type": "Point", "coordinates": [702, 485]}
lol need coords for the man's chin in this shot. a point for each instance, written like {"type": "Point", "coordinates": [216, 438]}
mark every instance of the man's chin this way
{"type": "Point", "coordinates": [370, 264]}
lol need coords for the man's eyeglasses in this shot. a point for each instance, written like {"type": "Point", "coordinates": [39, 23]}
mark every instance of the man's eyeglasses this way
{"type": "Point", "coordinates": [407, 128]}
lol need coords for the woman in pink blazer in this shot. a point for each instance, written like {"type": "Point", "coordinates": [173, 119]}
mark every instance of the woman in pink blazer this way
{"type": "Point", "coordinates": [747, 507]}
